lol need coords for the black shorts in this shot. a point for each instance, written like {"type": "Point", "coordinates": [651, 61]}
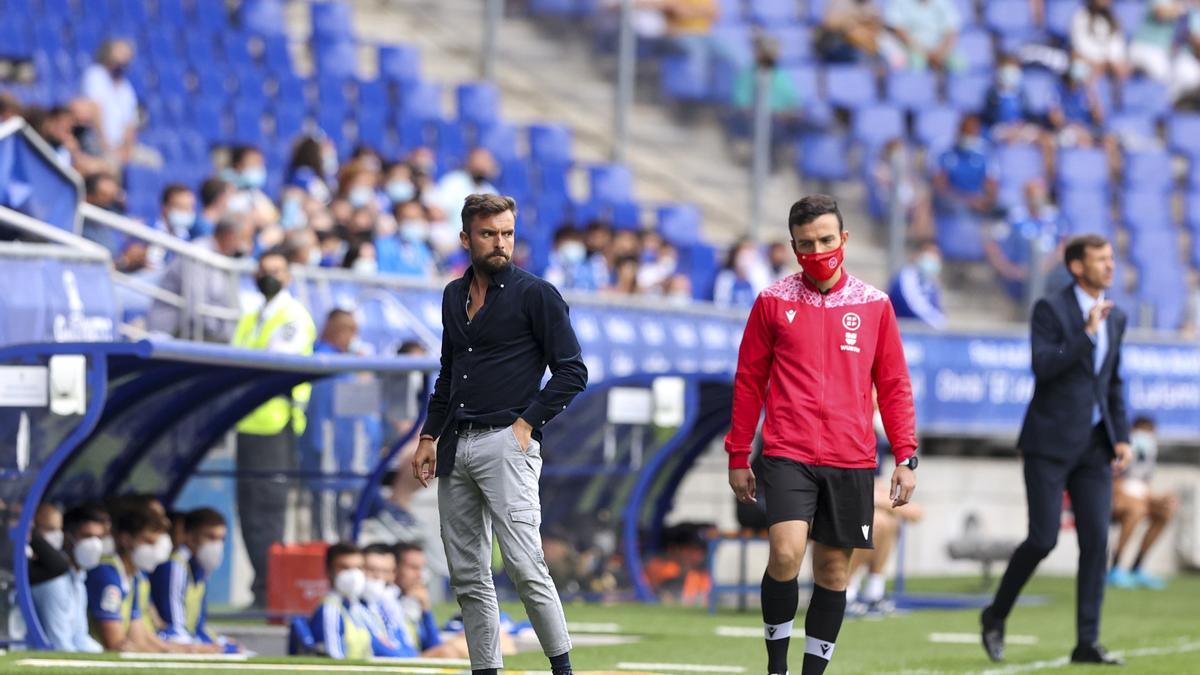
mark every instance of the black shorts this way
{"type": "Point", "coordinates": [838, 504]}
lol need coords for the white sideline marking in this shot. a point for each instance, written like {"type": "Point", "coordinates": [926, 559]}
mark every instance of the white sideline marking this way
{"type": "Point", "coordinates": [585, 627]}
{"type": "Point", "coordinates": [748, 632]}
{"type": "Point", "coordinates": [1055, 663]}
{"type": "Point", "coordinates": [973, 638]}
{"type": "Point", "coordinates": [242, 667]}
{"type": "Point", "coordinates": [418, 661]}
{"type": "Point", "coordinates": [682, 667]}
{"type": "Point", "coordinates": [137, 656]}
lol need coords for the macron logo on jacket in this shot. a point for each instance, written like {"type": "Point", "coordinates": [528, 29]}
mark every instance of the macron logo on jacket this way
{"type": "Point", "coordinates": [821, 354]}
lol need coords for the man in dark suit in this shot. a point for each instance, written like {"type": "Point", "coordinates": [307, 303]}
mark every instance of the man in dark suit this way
{"type": "Point", "coordinates": [1076, 431]}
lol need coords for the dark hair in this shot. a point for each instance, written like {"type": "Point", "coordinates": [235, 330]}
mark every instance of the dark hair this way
{"type": "Point", "coordinates": [812, 207]}
{"type": "Point", "coordinates": [74, 518]}
{"type": "Point", "coordinates": [197, 520]}
{"type": "Point", "coordinates": [731, 254]}
{"type": "Point", "coordinates": [335, 551]}
{"type": "Point", "coordinates": [92, 182]}
{"type": "Point", "coordinates": [9, 105]}
{"type": "Point", "coordinates": [1144, 422]}
{"type": "Point", "coordinates": [137, 520]}
{"type": "Point", "coordinates": [1076, 248]}
{"type": "Point", "coordinates": [354, 252]}
{"type": "Point", "coordinates": [379, 549]}
{"type": "Point", "coordinates": [306, 153]}
{"type": "Point", "coordinates": [280, 251]}
{"type": "Point", "coordinates": [170, 191]}
{"type": "Point", "coordinates": [241, 152]}
{"type": "Point", "coordinates": [564, 233]}
{"type": "Point", "coordinates": [1094, 9]}
{"type": "Point", "coordinates": [211, 190]}
{"type": "Point", "coordinates": [478, 205]}
{"type": "Point", "coordinates": [337, 313]}
{"type": "Point", "coordinates": [411, 347]}
{"type": "Point", "coordinates": [404, 548]}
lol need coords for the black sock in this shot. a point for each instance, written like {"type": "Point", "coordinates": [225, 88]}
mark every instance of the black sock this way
{"type": "Point", "coordinates": [484, 671]}
{"type": "Point", "coordinates": [779, 601]}
{"type": "Point", "coordinates": [1137, 562]}
{"type": "Point", "coordinates": [561, 664]}
{"type": "Point", "coordinates": [1116, 560]}
{"type": "Point", "coordinates": [822, 622]}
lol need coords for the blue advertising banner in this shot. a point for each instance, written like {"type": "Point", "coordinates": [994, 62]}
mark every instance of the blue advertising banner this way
{"type": "Point", "coordinates": [33, 184]}
{"type": "Point", "coordinates": [45, 299]}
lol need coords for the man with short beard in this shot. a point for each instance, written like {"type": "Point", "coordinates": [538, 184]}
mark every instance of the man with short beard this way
{"type": "Point", "coordinates": [502, 326]}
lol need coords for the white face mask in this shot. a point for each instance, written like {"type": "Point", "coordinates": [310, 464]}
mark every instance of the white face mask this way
{"type": "Point", "coordinates": [350, 583]}
{"type": "Point", "coordinates": [374, 590]}
{"type": "Point", "coordinates": [163, 548]}
{"type": "Point", "coordinates": [365, 266]}
{"type": "Point", "coordinates": [145, 557]}
{"type": "Point", "coordinates": [54, 538]}
{"type": "Point", "coordinates": [210, 555]}
{"type": "Point", "coordinates": [393, 591]}
{"type": "Point", "coordinates": [87, 552]}
{"type": "Point", "coordinates": [107, 545]}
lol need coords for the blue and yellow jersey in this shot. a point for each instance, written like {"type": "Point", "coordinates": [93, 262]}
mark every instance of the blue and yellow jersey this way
{"type": "Point", "coordinates": [112, 594]}
{"type": "Point", "coordinates": [337, 632]}
{"type": "Point", "coordinates": [178, 593]}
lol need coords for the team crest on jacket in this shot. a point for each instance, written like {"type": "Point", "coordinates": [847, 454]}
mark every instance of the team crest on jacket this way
{"type": "Point", "coordinates": [851, 322]}
{"type": "Point", "coordinates": [790, 314]}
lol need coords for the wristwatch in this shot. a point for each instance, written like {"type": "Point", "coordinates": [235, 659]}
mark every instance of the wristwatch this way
{"type": "Point", "coordinates": [911, 463]}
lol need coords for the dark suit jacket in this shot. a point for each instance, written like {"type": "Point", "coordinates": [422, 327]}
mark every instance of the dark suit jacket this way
{"type": "Point", "coordinates": [1058, 423]}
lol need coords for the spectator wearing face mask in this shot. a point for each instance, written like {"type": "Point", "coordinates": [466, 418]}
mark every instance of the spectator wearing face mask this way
{"type": "Point", "coordinates": [1007, 116]}
{"type": "Point", "coordinates": [215, 288]}
{"type": "Point", "coordinates": [406, 252]}
{"type": "Point", "coordinates": [398, 185]}
{"type": "Point", "coordinates": [744, 275]}
{"type": "Point", "coordinates": [106, 83]}
{"type": "Point", "coordinates": [360, 258]}
{"type": "Point", "coordinates": [916, 291]}
{"type": "Point", "coordinates": [214, 203]}
{"type": "Point", "coordinates": [1008, 249]}
{"type": "Point", "coordinates": [61, 602]}
{"type": "Point", "coordinates": [1077, 115]}
{"type": "Point", "coordinates": [964, 186]}
{"type": "Point", "coordinates": [113, 603]}
{"type": "Point", "coordinates": [312, 167]}
{"type": "Point", "coordinates": [178, 587]}
{"type": "Point", "coordinates": [46, 542]}
{"type": "Point", "coordinates": [678, 290]}
{"type": "Point", "coordinates": [337, 629]}
{"type": "Point", "coordinates": [248, 173]}
{"type": "Point", "coordinates": [475, 177]}
{"type": "Point", "coordinates": [569, 268]}
{"type": "Point", "coordinates": [103, 191]}
{"type": "Point", "coordinates": [779, 260]}
{"type": "Point", "coordinates": [659, 260]}
{"type": "Point", "coordinates": [177, 213]}
{"type": "Point", "coordinates": [357, 188]}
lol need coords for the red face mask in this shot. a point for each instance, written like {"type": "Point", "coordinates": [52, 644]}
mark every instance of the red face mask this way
{"type": "Point", "coordinates": [821, 266]}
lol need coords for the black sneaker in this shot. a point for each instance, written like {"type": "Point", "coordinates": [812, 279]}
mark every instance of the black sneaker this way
{"type": "Point", "coordinates": [992, 632]}
{"type": "Point", "coordinates": [1094, 654]}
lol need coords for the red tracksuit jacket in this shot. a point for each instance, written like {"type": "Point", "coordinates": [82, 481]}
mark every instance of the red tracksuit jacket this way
{"type": "Point", "coordinates": [813, 357]}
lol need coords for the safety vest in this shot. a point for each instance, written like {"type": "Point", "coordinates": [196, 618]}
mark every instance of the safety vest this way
{"type": "Point", "coordinates": [271, 417]}
{"type": "Point", "coordinates": [149, 613]}
{"type": "Point", "coordinates": [193, 595]}
{"type": "Point", "coordinates": [356, 638]}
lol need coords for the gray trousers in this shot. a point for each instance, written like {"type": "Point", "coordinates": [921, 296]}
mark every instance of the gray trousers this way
{"type": "Point", "coordinates": [262, 499]}
{"type": "Point", "coordinates": [494, 485]}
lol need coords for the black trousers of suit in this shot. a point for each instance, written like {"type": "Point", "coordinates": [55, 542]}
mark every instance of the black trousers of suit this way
{"type": "Point", "coordinates": [1088, 480]}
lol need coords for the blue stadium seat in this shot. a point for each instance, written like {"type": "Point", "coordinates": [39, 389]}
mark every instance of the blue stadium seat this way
{"type": "Point", "coordinates": [824, 156]}
{"type": "Point", "coordinates": [730, 11]}
{"type": "Point", "coordinates": [1082, 168]}
{"type": "Point", "coordinates": [699, 263]}
{"type": "Point", "coordinates": [1059, 14]}
{"type": "Point", "coordinates": [336, 59]}
{"type": "Point", "coordinates": [975, 48]}
{"type": "Point", "coordinates": [451, 147]}
{"type": "Point", "coordinates": [399, 63]}
{"type": "Point", "coordinates": [1017, 165]}
{"type": "Point", "coordinates": [422, 101]}
{"type": "Point", "coordinates": [1146, 211]}
{"type": "Point", "coordinates": [806, 81]}
{"type": "Point", "coordinates": [1148, 170]}
{"type": "Point", "coordinates": [1156, 249]}
{"type": "Point", "coordinates": [371, 125]}
{"type": "Point", "coordinates": [209, 17]}
{"type": "Point", "coordinates": [1129, 15]}
{"type": "Point", "coordinates": [875, 125]}
{"type": "Point", "coordinates": [967, 92]}
{"type": "Point", "coordinates": [1145, 96]}
{"type": "Point", "coordinates": [773, 12]}
{"type": "Point", "coordinates": [1009, 18]}
{"type": "Point", "coordinates": [300, 638]}
{"type": "Point", "coordinates": [500, 139]}
{"type": "Point", "coordinates": [276, 56]}
{"type": "Point", "coordinates": [208, 119]}
{"type": "Point", "coordinates": [960, 236]}
{"type": "Point", "coordinates": [200, 49]}
{"type": "Point", "coordinates": [550, 144]}
{"type": "Point", "coordinates": [514, 178]}
{"type": "Point", "coordinates": [1183, 134]}
{"type": "Point", "coordinates": [610, 184]}
{"type": "Point", "coordinates": [478, 103]}
{"type": "Point", "coordinates": [235, 45]}
{"type": "Point", "coordinates": [372, 94]}
{"type": "Point", "coordinates": [1135, 125]}
{"type": "Point", "coordinates": [795, 44]}
{"type": "Point", "coordinates": [679, 224]}
{"type": "Point", "coordinates": [849, 85]}
{"type": "Point", "coordinates": [247, 124]}
{"type": "Point", "coordinates": [288, 121]}
{"type": "Point", "coordinates": [912, 89]}
{"type": "Point", "coordinates": [1194, 255]}
{"type": "Point", "coordinates": [683, 79]}
{"type": "Point", "coordinates": [1086, 210]}
{"type": "Point", "coordinates": [1040, 88]}
{"type": "Point", "coordinates": [551, 180]}
{"type": "Point", "coordinates": [289, 91]}
{"type": "Point", "coordinates": [262, 17]}
{"type": "Point", "coordinates": [331, 21]}
{"type": "Point", "coordinates": [936, 127]}
{"type": "Point", "coordinates": [15, 41]}
{"type": "Point", "coordinates": [816, 11]}
{"type": "Point", "coordinates": [171, 13]}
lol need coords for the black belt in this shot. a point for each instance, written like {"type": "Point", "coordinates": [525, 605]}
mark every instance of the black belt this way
{"type": "Point", "coordinates": [477, 426]}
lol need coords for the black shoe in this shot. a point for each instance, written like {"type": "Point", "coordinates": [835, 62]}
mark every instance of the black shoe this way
{"type": "Point", "coordinates": [1094, 654]}
{"type": "Point", "coordinates": [993, 635]}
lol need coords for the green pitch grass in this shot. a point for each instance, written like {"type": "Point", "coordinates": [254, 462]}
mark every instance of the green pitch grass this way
{"type": "Point", "coordinates": [1158, 631]}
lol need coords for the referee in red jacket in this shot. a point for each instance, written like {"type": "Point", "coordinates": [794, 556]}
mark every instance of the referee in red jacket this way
{"type": "Point", "coordinates": [820, 339]}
